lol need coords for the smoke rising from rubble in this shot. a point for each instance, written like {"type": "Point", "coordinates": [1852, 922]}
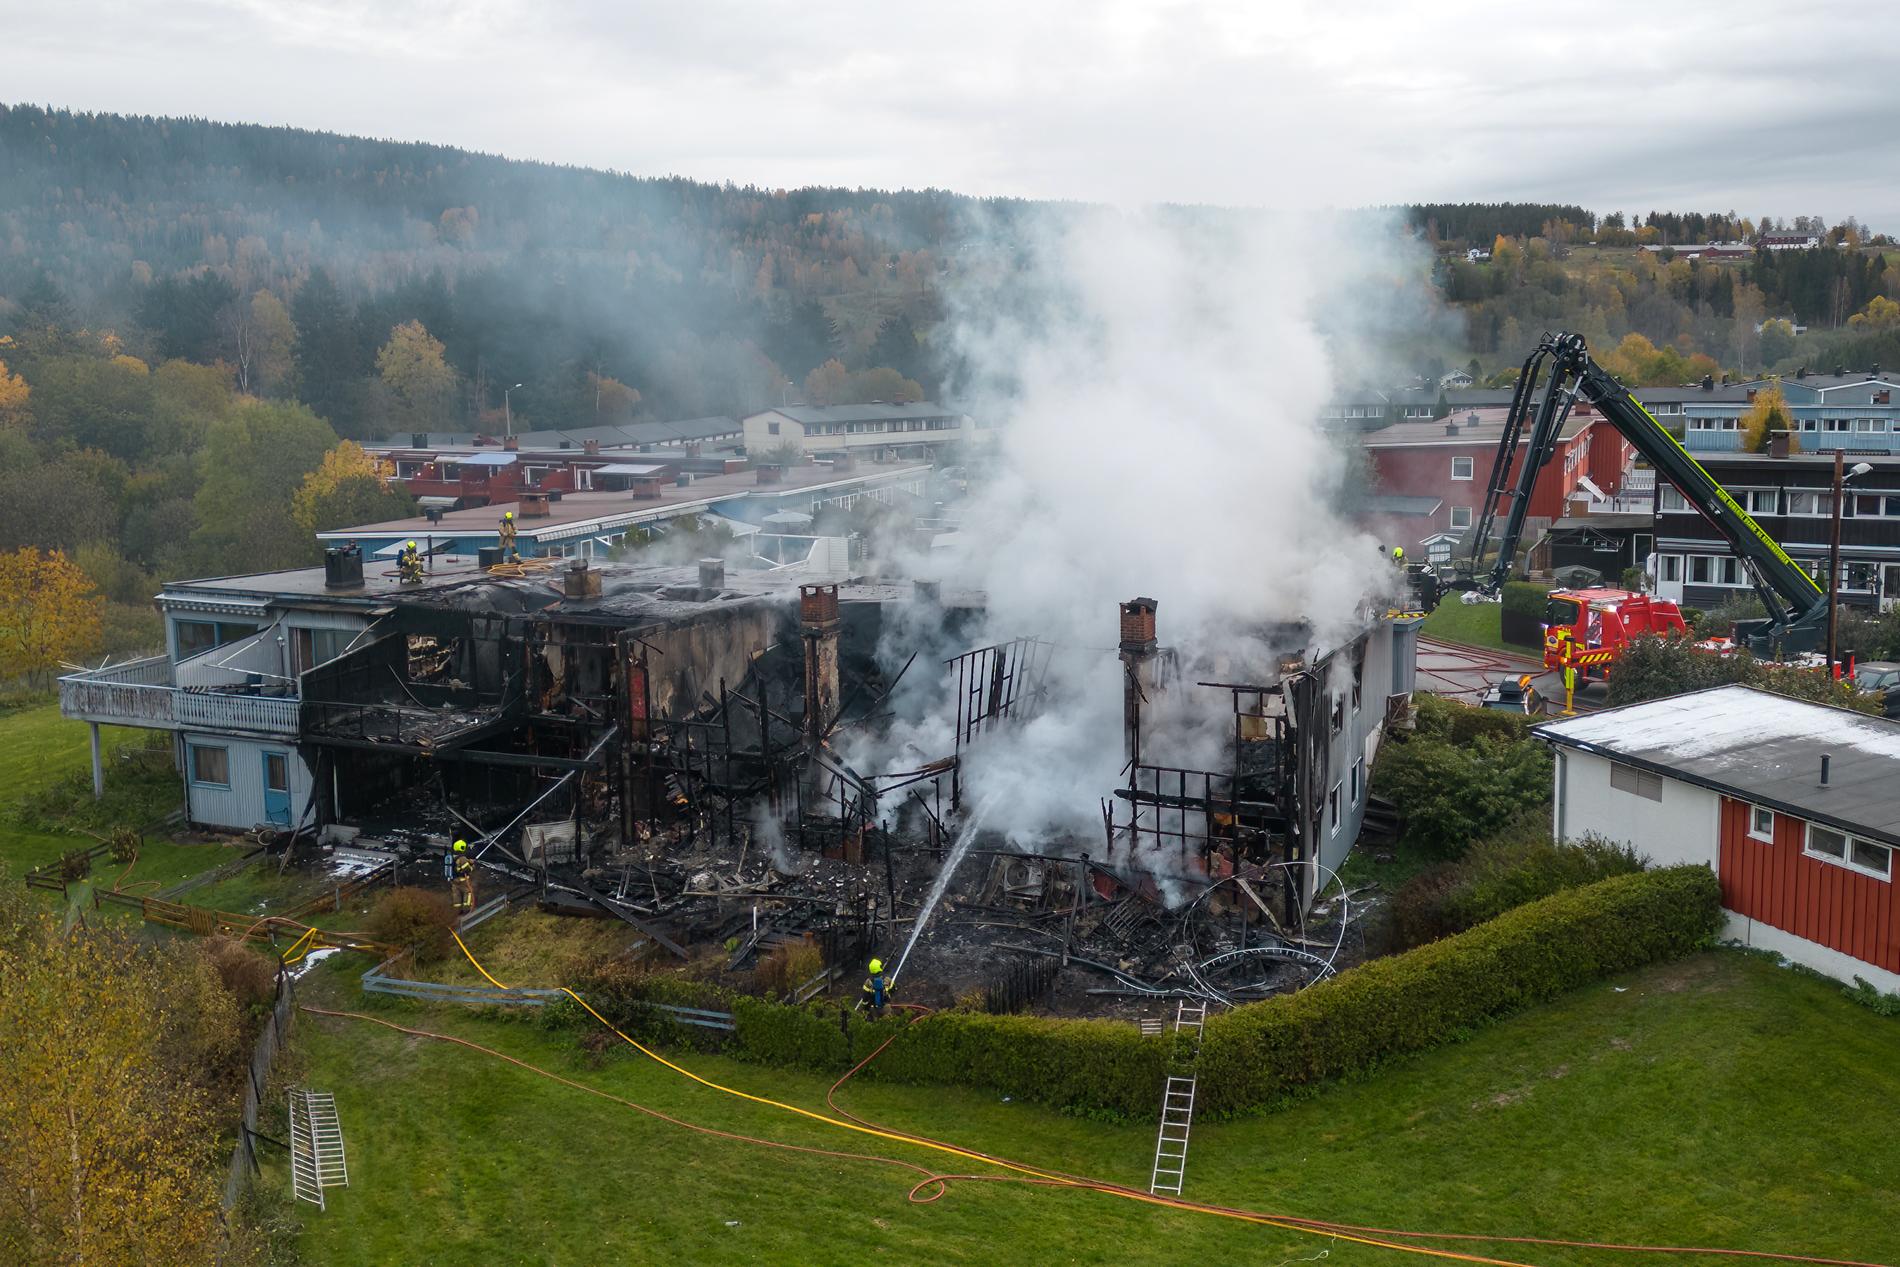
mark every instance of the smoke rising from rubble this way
{"type": "Point", "coordinates": [1157, 377]}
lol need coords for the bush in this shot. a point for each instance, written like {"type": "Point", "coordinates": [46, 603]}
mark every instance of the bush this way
{"type": "Point", "coordinates": [1651, 668]}
{"type": "Point", "coordinates": [1257, 1055]}
{"type": "Point", "coordinates": [418, 919]}
{"type": "Point", "coordinates": [1518, 865]}
{"type": "Point", "coordinates": [1097, 1068]}
{"type": "Point", "coordinates": [1522, 619]}
{"type": "Point", "coordinates": [125, 843]}
{"type": "Point", "coordinates": [248, 977]}
{"type": "Point", "coordinates": [789, 966]}
{"type": "Point", "coordinates": [1462, 775]}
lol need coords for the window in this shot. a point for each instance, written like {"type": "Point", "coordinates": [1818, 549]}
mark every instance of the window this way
{"type": "Point", "coordinates": [1669, 498]}
{"type": "Point", "coordinates": [1763, 501]}
{"type": "Point", "coordinates": [1643, 783]}
{"type": "Point", "coordinates": [1461, 516]}
{"type": "Point", "coordinates": [1761, 823]}
{"type": "Point", "coordinates": [1672, 567]}
{"type": "Point", "coordinates": [1332, 808]}
{"type": "Point", "coordinates": [1728, 571]}
{"type": "Point", "coordinates": [1810, 504]}
{"type": "Point", "coordinates": [1358, 779]}
{"type": "Point", "coordinates": [210, 766]}
{"type": "Point", "coordinates": [1849, 851]}
{"type": "Point", "coordinates": [1699, 569]}
{"type": "Point", "coordinates": [202, 635]}
{"type": "Point", "coordinates": [311, 647]}
{"type": "Point", "coordinates": [1339, 713]}
{"type": "Point", "coordinates": [1461, 468]}
{"type": "Point", "coordinates": [276, 772]}
{"type": "Point", "coordinates": [771, 428]}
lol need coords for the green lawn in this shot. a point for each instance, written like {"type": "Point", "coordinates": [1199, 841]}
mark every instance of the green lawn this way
{"type": "Point", "coordinates": [39, 750]}
{"type": "Point", "coordinates": [1721, 1101]}
{"type": "Point", "coordinates": [1475, 625]}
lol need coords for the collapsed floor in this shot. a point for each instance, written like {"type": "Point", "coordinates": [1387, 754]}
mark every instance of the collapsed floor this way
{"type": "Point", "coordinates": [663, 746]}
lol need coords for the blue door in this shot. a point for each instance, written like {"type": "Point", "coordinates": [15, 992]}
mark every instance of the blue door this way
{"type": "Point", "coordinates": [277, 788]}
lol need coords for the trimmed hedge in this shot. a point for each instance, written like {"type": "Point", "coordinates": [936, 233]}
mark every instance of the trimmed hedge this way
{"type": "Point", "coordinates": [1252, 1057]}
{"type": "Point", "coordinates": [1256, 1056]}
{"type": "Point", "coordinates": [1096, 1068]}
{"type": "Point", "coordinates": [1521, 622]}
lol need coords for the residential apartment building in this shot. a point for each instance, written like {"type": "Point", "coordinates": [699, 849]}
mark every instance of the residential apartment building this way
{"type": "Point", "coordinates": [1792, 498]}
{"type": "Point", "coordinates": [1449, 463]}
{"type": "Point", "coordinates": [1856, 412]}
{"type": "Point", "coordinates": [884, 432]}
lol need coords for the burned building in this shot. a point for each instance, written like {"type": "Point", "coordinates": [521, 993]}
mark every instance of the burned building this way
{"type": "Point", "coordinates": [685, 748]}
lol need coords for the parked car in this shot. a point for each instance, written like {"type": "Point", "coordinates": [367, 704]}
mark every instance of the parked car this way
{"type": "Point", "coordinates": [1872, 676]}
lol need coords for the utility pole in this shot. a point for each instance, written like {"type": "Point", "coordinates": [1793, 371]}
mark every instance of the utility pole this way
{"type": "Point", "coordinates": [1834, 559]}
{"type": "Point", "coordinates": [507, 414]}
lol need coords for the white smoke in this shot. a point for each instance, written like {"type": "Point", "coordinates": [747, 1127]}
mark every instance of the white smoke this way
{"type": "Point", "coordinates": [1156, 380]}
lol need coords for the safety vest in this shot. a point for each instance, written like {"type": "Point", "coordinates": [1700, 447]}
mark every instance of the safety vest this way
{"type": "Point", "coordinates": [874, 989]}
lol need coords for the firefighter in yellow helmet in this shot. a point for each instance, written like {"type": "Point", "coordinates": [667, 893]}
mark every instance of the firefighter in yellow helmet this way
{"type": "Point", "coordinates": [409, 565]}
{"type": "Point", "coordinates": [1398, 556]}
{"type": "Point", "coordinates": [506, 533]}
{"type": "Point", "coordinates": [876, 992]}
{"type": "Point", "coordinates": [462, 877]}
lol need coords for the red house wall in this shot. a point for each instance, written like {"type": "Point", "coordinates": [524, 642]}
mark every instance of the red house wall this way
{"type": "Point", "coordinates": [1783, 887]}
{"type": "Point", "coordinates": [1424, 470]}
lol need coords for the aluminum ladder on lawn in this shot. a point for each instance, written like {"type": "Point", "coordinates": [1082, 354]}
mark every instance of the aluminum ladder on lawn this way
{"type": "Point", "coordinates": [1177, 1108]}
{"type": "Point", "coordinates": [316, 1146]}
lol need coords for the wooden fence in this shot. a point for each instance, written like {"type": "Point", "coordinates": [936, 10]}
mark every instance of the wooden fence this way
{"type": "Point", "coordinates": [263, 1057]}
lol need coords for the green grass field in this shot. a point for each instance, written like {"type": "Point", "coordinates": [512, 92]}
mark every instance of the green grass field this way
{"type": "Point", "coordinates": [1474, 625]}
{"type": "Point", "coordinates": [1717, 1102]}
{"type": "Point", "coordinates": [40, 749]}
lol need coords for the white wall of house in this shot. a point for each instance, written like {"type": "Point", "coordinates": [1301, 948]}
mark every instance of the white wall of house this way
{"type": "Point", "coordinates": [1822, 959]}
{"type": "Point", "coordinates": [240, 801]}
{"type": "Point", "coordinates": [1684, 826]}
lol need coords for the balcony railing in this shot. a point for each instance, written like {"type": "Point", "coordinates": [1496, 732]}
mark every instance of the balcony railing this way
{"type": "Point", "coordinates": [140, 693]}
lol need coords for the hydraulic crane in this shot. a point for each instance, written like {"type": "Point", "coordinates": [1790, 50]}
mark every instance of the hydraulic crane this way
{"type": "Point", "coordinates": [1797, 606]}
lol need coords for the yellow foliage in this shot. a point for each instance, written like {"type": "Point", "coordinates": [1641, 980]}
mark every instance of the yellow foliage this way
{"type": "Point", "coordinates": [132, 363]}
{"type": "Point", "coordinates": [1881, 313]}
{"type": "Point", "coordinates": [49, 612]}
{"type": "Point", "coordinates": [1767, 412]}
{"type": "Point", "coordinates": [346, 461]}
{"type": "Point", "coordinates": [13, 396]}
{"type": "Point", "coordinates": [108, 1129]}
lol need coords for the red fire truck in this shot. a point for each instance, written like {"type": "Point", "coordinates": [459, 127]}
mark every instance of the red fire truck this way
{"type": "Point", "coordinates": [1589, 628]}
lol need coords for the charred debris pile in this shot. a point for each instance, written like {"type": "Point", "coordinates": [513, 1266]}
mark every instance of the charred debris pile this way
{"type": "Point", "coordinates": [663, 746]}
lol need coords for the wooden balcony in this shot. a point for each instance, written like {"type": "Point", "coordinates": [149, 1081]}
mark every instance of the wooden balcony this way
{"type": "Point", "coordinates": [140, 693]}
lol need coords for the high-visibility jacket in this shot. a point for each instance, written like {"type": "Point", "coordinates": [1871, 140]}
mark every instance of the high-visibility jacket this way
{"type": "Point", "coordinates": [875, 991]}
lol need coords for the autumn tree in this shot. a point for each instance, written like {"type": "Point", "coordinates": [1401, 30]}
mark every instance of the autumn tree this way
{"type": "Point", "coordinates": [418, 377]}
{"type": "Point", "coordinates": [614, 401]}
{"type": "Point", "coordinates": [1767, 413]}
{"type": "Point", "coordinates": [348, 487]}
{"type": "Point", "coordinates": [262, 338]}
{"type": "Point", "coordinates": [118, 1058]}
{"type": "Point", "coordinates": [253, 462]}
{"type": "Point", "coordinates": [1881, 313]}
{"type": "Point", "coordinates": [1777, 342]}
{"type": "Point", "coordinates": [14, 394]}
{"type": "Point", "coordinates": [49, 613]}
{"type": "Point", "coordinates": [828, 384]}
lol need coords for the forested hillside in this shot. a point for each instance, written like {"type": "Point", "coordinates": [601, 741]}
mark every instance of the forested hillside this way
{"type": "Point", "coordinates": [197, 318]}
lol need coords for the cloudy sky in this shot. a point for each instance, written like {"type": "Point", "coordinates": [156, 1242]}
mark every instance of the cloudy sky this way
{"type": "Point", "coordinates": [1763, 107]}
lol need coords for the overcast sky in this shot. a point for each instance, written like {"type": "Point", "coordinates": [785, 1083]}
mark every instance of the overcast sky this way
{"type": "Point", "coordinates": [1777, 108]}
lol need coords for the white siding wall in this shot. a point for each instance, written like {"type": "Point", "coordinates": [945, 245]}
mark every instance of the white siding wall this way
{"type": "Point", "coordinates": [1682, 827]}
{"type": "Point", "coordinates": [1829, 962]}
{"type": "Point", "coordinates": [240, 805]}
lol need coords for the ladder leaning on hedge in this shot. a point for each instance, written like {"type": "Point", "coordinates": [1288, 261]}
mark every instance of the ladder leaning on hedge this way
{"type": "Point", "coordinates": [1177, 1107]}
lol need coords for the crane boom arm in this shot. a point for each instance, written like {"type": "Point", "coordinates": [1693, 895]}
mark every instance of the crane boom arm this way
{"type": "Point", "coordinates": [1793, 599]}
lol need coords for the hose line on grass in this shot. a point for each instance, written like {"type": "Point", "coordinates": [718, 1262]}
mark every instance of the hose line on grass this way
{"type": "Point", "coordinates": [936, 1185]}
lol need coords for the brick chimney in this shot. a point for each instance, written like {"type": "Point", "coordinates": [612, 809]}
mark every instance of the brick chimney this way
{"type": "Point", "coordinates": [590, 447]}
{"type": "Point", "coordinates": [511, 444]}
{"type": "Point", "coordinates": [818, 627]}
{"type": "Point", "coordinates": [1139, 684]}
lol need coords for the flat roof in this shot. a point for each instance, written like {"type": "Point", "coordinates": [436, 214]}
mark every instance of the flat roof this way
{"type": "Point", "coordinates": [1759, 747]}
{"type": "Point", "coordinates": [1489, 429]}
{"type": "Point", "coordinates": [379, 581]}
{"type": "Point", "coordinates": [581, 508]}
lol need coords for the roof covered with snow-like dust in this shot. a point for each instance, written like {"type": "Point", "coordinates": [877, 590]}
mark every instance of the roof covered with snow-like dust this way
{"type": "Point", "coordinates": [1758, 746]}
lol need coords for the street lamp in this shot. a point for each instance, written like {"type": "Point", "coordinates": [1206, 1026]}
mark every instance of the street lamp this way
{"type": "Point", "coordinates": [507, 416]}
{"type": "Point", "coordinates": [1834, 549]}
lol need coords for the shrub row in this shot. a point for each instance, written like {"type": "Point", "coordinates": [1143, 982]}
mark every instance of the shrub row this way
{"type": "Point", "coordinates": [1252, 1057]}
{"type": "Point", "coordinates": [1256, 1056]}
